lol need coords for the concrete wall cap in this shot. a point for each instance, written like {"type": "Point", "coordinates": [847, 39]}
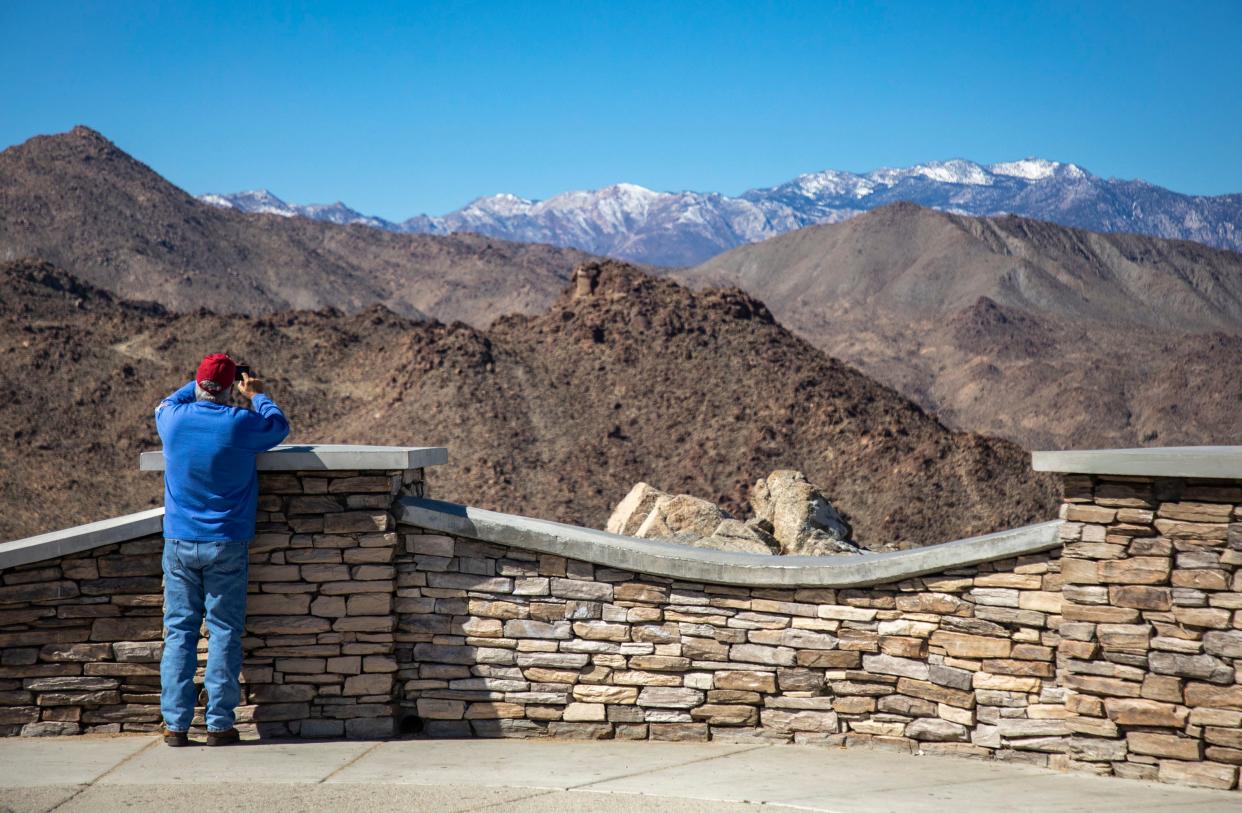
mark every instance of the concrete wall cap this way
{"type": "Point", "coordinates": [1209, 462]}
{"type": "Point", "coordinates": [80, 538]}
{"type": "Point", "coordinates": [672, 560]}
{"type": "Point", "coordinates": [320, 456]}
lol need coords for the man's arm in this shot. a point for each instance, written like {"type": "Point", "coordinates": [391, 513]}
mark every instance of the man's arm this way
{"type": "Point", "coordinates": [266, 425]}
{"type": "Point", "coordinates": [183, 395]}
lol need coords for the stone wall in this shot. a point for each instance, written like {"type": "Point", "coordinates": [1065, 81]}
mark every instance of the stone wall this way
{"type": "Point", "coordinates": [80, 635]}
{"type": "Point", "coordinates": [1118, 652]}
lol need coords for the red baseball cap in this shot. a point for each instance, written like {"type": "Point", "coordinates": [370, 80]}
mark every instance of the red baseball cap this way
{"type": "Point", "coordinates": [216, 372]}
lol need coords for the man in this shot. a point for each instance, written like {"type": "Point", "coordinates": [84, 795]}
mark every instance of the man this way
{"type": "Point", "coordinates": [210, 496]}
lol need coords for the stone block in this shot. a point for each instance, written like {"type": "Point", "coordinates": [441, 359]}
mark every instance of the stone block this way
{"type": "Point", "coordinates": [769, 655]}
{"type": "Point", "coordinates": [1201, 774]}
{"type": "Point", "coordinates": [1202, 667]}
{"type": "Point", "coordinates": [1135, 570]}
{"type": "Point", "coordinates": [581, 590]}
{"type": "Point", "coordinates": [277, 603]}
{"type": "Point", "coordinates": [726, 715]}
{"type": "Point", "coordinates": [959, 645]}
{"type": "Point", "coordinates": [612, 695]}
{"type": "Point", "coordinates": [1164, 745]}
{"type": "Point", "coordinates": [903, 667]}
{"type": "Point", "coordinates": [933, 729]}
{"type": "Point", "coordinates": [670, 697]}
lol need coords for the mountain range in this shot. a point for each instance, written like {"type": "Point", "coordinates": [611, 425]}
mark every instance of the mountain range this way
{"type": "Point", "coordinates": [687, 228]}
{"type": "Point", "coordinates": [1046, 335]}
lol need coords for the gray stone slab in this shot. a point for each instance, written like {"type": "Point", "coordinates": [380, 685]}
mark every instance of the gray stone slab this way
{"type": "Point", "coordinates": [81, 537]}
{"type": "Point", "coordinates": [286, 761]}
{"type": "Point", "coordinates": [1224, 462]}
{"type": "Point", "coordinates": [34, 762]}
{"type": "Point", "coordinates": [319, 456]}
{"type": "Point", "coordinates": [547, 764]}
{"type": "Point", "coordinates": [661, 558]}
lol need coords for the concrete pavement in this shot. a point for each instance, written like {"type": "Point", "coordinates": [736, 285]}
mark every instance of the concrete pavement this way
{"type": "Point", "coordinates": [457, 776]}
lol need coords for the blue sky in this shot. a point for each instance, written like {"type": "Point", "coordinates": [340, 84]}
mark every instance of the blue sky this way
{"type": "Point", "coordinates": [410, 107]}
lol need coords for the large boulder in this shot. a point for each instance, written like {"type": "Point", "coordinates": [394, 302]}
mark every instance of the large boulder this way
{"type": "Point", "coordinates": [744, 537]}
{"type": "Point", "coordinates": [629, 514]}
{"type": "Point", "coordinates": [791, 517]}
{"type": "Point", "coordinates": [802, 519]}
{"type": "Point", "coordinates": [681, 515]}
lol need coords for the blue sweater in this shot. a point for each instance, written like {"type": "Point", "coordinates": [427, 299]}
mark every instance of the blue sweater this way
{"type": "Point", "coordinates": [211, 488]}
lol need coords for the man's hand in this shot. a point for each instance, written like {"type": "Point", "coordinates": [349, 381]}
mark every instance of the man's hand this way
{"type": "Point", "coordinates": [250, 386]}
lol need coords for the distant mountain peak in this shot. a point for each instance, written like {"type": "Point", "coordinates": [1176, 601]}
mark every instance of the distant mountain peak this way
{"type": "Point", "coordinates": [634, 222]}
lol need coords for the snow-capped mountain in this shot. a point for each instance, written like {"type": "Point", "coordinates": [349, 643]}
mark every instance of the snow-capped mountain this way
{"type": "Point", "coordinates": [686, 228]}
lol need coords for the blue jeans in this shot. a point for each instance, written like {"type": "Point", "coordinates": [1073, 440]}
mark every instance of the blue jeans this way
{"type": "Point", "coordinates": [203, 578]}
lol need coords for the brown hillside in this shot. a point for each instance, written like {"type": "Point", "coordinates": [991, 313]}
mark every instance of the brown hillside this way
{"type": "Point", "coordinates": [1049, 336]}
{"type": "Point", "coordinates": [78, 201]}
{"type": "Point", "coordinates": [624, 378]}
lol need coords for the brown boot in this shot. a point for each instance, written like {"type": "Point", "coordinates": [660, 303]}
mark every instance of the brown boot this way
{"type": "Point", "coordinates": [176, 739]}
{"type": "Point", "coordinates": [223, 737]}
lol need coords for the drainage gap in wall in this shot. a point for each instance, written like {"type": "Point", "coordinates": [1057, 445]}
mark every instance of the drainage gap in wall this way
{"type": "Point", "coordinates": [410, 724]}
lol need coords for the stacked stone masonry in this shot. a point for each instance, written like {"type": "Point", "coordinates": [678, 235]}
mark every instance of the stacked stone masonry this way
{"type": "Point", "coordinates": [1118, 653]}
{"type": "Point", "coordinates": [80, 636]}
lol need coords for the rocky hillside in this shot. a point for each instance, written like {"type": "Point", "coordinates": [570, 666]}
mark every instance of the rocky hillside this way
{"type": "Point", "coordinates": [77, 200]}
{"type": "Point", "coordinates": [1049, 336]}
{"type": "Point", "coordinates": [624, 378]}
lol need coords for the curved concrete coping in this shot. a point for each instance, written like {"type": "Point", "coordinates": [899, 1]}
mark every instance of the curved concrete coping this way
{"type": "Point", "coordinates": [1208, 462]}
{"type": "Point", "coordinates": [332, 456]}
{"type": "Point", "coordinates": [80, 538]}
{"type": "Point", "coordinates": [669, 559]}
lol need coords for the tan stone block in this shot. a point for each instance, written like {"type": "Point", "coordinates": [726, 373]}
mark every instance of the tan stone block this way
{"type": "Point", "coordinates": [1200, 774]}
{"type": "Point", "coordinates": [494, 711]}
{"type": "Point", "coordinates": [745, 681]}
{"type": "Point", "coordinates": [636, 678]}
{"type": "Point", "coordinates": [1044, 602]}
{"type": "Point", "coordinates": [1129, 711]}
{"type": "Point", "coordinates": [1162, 687]}
{"type": "Point", "coordinates": [612, 695]}
{"type": "Point", "coordinates": [1090, 513]}
{"type": "Point", "coordinates": [1080, 571]}
{"type": "Point", "coordinates": [659, 663]}
{"type": "Point", "coordinates": [1112, 687]}
{"type": "Point", "coordinates": [1164, 745]}
{"type": "Point", "coordinates": [936, 694]}
{"type": "Point", "coordinates": [829, 659]}
{"type": "Point", "coordinates": [1201, 579]}
{"type": "Point", "coordinates": [584, 713]}
{"type": "Point", "coordinates": [1141, 597]}
{"type": "Point", "coordinates": [961, 645]}
{"type": "Point", "coordinates": [726, 715]}
{"type": "Point", "coordinates": [1098, 614]}
{"type": "Point", "coordinates": [1124, 637]}
{"type": "Point", "coordinates": [1220, 697]}
{"type": "Point", "coordinates": [1135, 570]}
{"type": "Point", "coordinates": [1006, 683]}
{"type": "Point", "coordinates": [1019, 668]}
{"type": "Point", "coordinates": [1194, 531]}
{"type": "Point", "coordinates": [1014, 580]}
{"type": "Point", "coordinates": [1082, 650]}
{"type": "Point", "coordinates": [903, 647]}
{"type": "Point", "coordinates": [854, 705]}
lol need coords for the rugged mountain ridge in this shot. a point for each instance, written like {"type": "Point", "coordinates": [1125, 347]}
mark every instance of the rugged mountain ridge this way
{"type": "Point", "coordinates": [687, 228]}
{"type": "Point", "coordinates": [624, 377]}
{"type": "Point", "coordinates": [77, 200]}
{"type": "Point", "coordinates": [1049, 336]}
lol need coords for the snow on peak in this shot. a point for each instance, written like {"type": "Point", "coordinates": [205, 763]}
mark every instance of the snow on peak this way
{"type": "Point", "coordinates": [1037, 169]}
{"type": "Point", "coordinates": [954, 171]}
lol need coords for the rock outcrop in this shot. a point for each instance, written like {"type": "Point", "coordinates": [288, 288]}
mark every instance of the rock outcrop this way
{"type": "Point", "coordinates": [791, 517]}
